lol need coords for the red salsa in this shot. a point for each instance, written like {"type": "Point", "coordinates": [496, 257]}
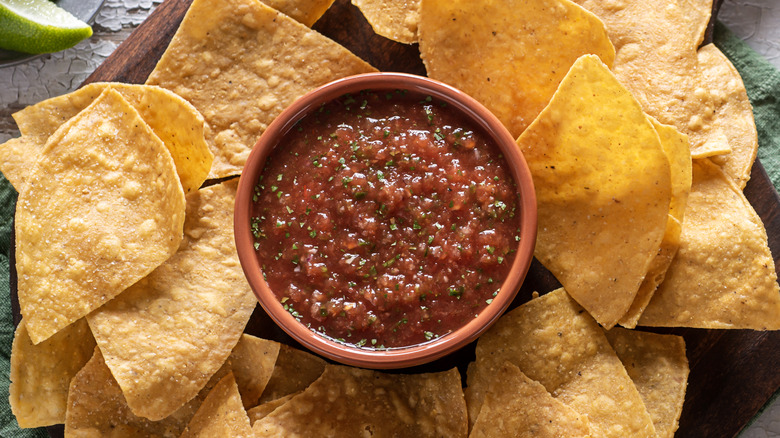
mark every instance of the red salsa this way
{"type": "Point", "coordinates": [385, 220]}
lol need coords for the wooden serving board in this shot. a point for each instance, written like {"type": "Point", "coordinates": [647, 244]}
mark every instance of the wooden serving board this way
{"type": "Point", "coordinates": [733, 372]}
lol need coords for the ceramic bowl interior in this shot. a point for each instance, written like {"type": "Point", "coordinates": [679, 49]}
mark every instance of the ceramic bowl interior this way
{"type": "Point", "coordinates": [396, 357]}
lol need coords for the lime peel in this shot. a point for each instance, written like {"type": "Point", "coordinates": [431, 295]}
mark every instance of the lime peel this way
{"type": "Point", "coordinates": [39, 26]}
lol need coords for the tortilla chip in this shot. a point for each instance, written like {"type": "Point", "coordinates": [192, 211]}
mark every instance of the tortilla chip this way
{"type": "Point", "coordinates": [41, 374]}
{"type": "Point", "coordinates": [241, 63]}
{"type": "Point", "coordinates": [658, 367]}
{"type": "Point", "coordinates": [393, 19]}
{"type": "Point", "coordinates": [118, 214]}
{"type": "Point", "coordinates": [733, 114]}
{"type": "Point", "coordinates": [553, 341]}
{"type": "Point", "coordinates": [306, 12]}
{"type": "Point", "coordinates": [261, 411]}
{"type": "Point", "coordinates": [178, 124]}
{"type": "Point", "coordinates": [96, 407]}
{"type": "Point", "coordinates": [698, 14]}
{"type": "Point", "coordinates": [516, 406]}
{"type": "Point", "coordinates": [723, 276]}
{"type": "Point", "coordinates": [294, 371]}
{"type": "Point", "coordinates": [603, 187]}
{"type": "Point", "coordinates": [221, 414]}
{"type": "Point", "coordinates": [656, 273]}
{"type": "Point", "coordinates": [347, 401]}
{"type": "Point", "coordinates": [510, 58]}
{"type": "Point", "coordinates": [678, 152]}
{"type": "Point", "coordinates": [166, 335]}
{"type": "Point", "coordinates": [656, 44]}
{"type": "Point", "coordinates": [15, 156]}
{"type": "Point", "coordinates": [253, 362]}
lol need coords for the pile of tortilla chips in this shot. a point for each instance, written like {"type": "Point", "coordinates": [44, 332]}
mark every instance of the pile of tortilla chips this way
{"type": "Point", "coordinates": [640, 142]}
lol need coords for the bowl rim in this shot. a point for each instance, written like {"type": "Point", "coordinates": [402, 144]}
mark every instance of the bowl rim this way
{"type": "Point", "coordinates": [400, 357]}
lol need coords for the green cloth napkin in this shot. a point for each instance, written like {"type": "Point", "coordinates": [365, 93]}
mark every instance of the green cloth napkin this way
{"type": "Point", "coordinates": [761, 79]}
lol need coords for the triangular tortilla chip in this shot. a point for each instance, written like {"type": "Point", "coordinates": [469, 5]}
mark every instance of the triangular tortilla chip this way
{"type": "Point", "coordinates": [510, 56]}
{"type": "Point", "coordinates": [553, 341]}
{"type": "Point", "coordinates": [178, 124]}
{"type": "Point", "coordinates": [306, 12]}
{"type": "Point", "coordinates": [97, 408]}
{"type": "Point", "coordinates": [241, 63]}
{"type": "Point", "coordinates": [733, 113]}
{"type": "Point", "coordinates": [678, 152]}
{"type": "Point", "coordinates": [658, 367]}
{"type": "Point", "coordinates": [394, 19]}
{"type": "Point", "coordinates": [40, 374]}
{"type": "Point", "coordinates": [723, 276]}
{"type": "Point", "coordinates": [260, 411]}
{"type": "Point", "coordinates": [221, 414]}
{"type": "Point", "coordinates": [294, 371]}
{"type": "Point", "coordinates": [603, 188]}
{"type": "Point", "coordinates": [102, 209]}
{"type": "Point", "coordinates": [166, 335]}
{"type": "Point", "coordinates": [516, 406]}
{"type": "Point", "coordinates": [353, 402]}
{"type": "Point", "coordinates": [253, 362]}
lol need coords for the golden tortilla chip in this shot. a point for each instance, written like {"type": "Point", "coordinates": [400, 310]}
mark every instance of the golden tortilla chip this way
{"type": "Point", "coordinates": [723, 276]}
{"type": "Point", "coordinates": [347, 401]}
{"type": "Point", "coordinates": [118, 214]}
{"type": "Point", "coordinates": [656, 44]}
{"type": "Point", "coordinates": [678, 152]}
{"type": "Point", "coordinates": [241, 63]}
{"type": "Point", "coordinates": [516, 406]}
{"type": "Point", "coordinates": [178, 124]}
{"type": "Point", "coordinates": [260, 411]}
{"type": "Point", "coordinates": [221, 414]}
{"type": "Point", "coordinates": [733, 115]}
{"type": "Point", "coordinates": [698, 14]}
{"type": "Point", "coordinates": [97, 408]}
{"type": "Point", "coordinates": [510, 58]}
{"type": "Point", "coordinates": [394, 19]}
{"type": "Point", "coordinates": [603, 188]}
{"type": "Point", "coordinates": [655, 273]}
{"type": "Point", "coordinates": [41, 374]}
{"type": "Point", "coordinates": [15, 156]}
{"type": "Point", "coordinates": [294, 371]}
{"type": "Point", "coordinates": [553, 341]}
{"type": "Point", "coordinates": [306, 12]}
{"type": "Point", "coordinates": [253, 362]}
{"type": "Point", "coordinates": [658, 367]}
{"type": "Point", "coordinates": [166, 335]}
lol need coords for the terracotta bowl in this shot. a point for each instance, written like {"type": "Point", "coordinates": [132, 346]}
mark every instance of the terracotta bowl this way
{"type": "Point", "coordinates": [396, 357]}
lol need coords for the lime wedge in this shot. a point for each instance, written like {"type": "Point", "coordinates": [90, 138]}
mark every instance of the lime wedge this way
{"type": "Point", "coordinates": [39, 26]}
